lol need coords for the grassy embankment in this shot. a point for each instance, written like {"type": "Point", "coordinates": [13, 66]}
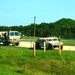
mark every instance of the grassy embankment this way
{"type": "Point", "coordinates": [20, 61]}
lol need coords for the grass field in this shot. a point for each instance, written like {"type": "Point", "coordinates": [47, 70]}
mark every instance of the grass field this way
{"type": "Point", "coordinates": [68, 42]}
{"type": "Point", "coordinates": [30, 39]}
{"type": "Point", "coordinates": [20, 61]}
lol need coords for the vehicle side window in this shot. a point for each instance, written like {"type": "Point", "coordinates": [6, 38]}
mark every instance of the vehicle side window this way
{"type": "Point", "coordinates": [50, 39]}
{"type": "Point", "coordinates": [54, 39]}
{"type": "Point", "coordinates": [11, 34]}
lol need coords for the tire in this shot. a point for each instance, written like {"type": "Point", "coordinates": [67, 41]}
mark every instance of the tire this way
{"type": "Point", "coordinates": [61, 47]}
{"type": "Point", "coordinates": [17, 44]}
{"type": "Point", "coordinates": [6, 43]}
{"type": "Point", "coordinates": [37, 46]}
{"type": "Point", "coordinates": [50, 46]}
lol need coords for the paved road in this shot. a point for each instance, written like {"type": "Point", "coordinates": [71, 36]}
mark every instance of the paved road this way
{"type": "Point", "coordinates": [30, 45]}
{"type": "Point", "coordinates": [26, 44]}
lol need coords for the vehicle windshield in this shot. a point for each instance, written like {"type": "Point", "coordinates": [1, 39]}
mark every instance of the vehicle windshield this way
{"type": "Point", "coordinates": [13, 34]}
{"type": "Point", "coordinates": [16, 34]}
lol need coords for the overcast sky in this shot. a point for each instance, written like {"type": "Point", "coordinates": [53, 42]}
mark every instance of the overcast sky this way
{"type": "Point", "coordinates": [22, 12]}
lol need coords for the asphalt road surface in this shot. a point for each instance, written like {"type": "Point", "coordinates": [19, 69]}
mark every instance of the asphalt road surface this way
{"type": "Point", "coordinates": [30, 45]}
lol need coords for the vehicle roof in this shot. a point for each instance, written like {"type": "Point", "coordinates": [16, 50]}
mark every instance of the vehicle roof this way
{"type": "Point", "coordinates": [13, 31]}
{"type": "Point", "coordinates": [49, 38]}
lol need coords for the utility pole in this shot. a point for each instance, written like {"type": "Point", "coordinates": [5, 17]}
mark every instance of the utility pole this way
{"type": "Point", "coordinates": [34, 25]}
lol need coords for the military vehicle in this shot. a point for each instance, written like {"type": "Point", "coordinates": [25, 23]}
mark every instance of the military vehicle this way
{"type": "Point", "coordinates": [50, 43]}
{"type": "Point", "coordinates": [11, 37]}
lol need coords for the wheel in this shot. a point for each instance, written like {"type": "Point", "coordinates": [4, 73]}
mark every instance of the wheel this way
{"type": "Point", "coordinates": [37, 46]}
{"type": "Point", "coordinates": [6, 43]}
{"type": "Point", "coordinates": [49, 46]}
{"type": "Point", "coordinates": [61, 47]}
{"type": "Point", "coordinates": [17, 44]}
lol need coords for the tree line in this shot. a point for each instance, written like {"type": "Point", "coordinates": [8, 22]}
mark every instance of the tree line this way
{"type": "Point", "coordinates": [64, 28]}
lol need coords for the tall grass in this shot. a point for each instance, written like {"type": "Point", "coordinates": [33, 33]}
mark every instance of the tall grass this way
{"type": "Point", "coordinates": [20, 61]}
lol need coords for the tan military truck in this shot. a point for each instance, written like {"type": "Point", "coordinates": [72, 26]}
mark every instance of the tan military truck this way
{"type": "Point", "coordinates": [14, 37]}
{"type": "Point", "coordinates": [11, 37]}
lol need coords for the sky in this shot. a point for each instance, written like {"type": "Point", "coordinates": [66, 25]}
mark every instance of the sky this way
{"type": "Point", "coordinates": [22, 12]}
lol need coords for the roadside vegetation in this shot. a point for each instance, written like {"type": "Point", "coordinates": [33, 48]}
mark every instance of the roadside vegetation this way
{"type": "Point", "coordinates": [20, 61]}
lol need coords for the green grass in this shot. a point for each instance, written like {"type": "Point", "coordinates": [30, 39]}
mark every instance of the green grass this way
{"type": "Point", "coordinates": [29, 39]}
{"type": "Point", "coordinates": [68, 42]}
{"type": "Point", "coordinates": [20, 61]}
